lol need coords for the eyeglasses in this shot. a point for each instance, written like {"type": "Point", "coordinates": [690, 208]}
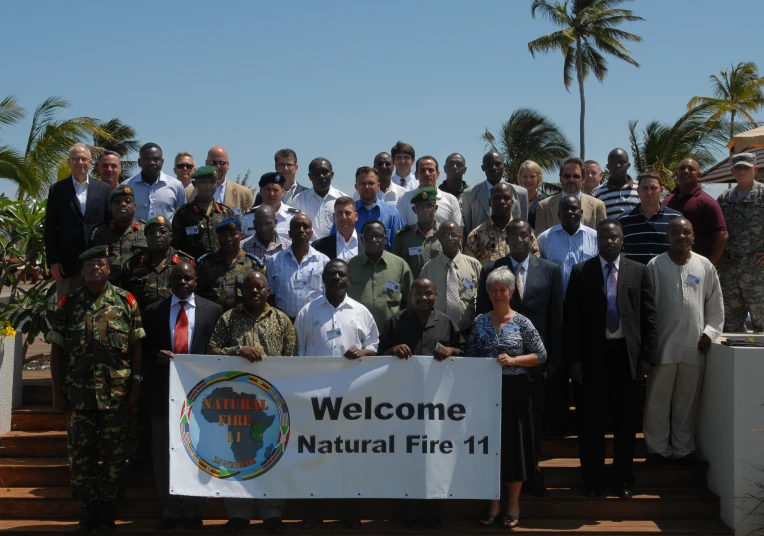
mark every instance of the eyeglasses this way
{"type": "Point", "coordinates": [95, 264]}
{"type": "Point", "coordinates": [218, 162]}
{"type": "Point", "coordinates": [80, 159]}
{"type": "Point", "coordinates": [569, 176]}
{"type": "Point", "coordinates": [184, 166]}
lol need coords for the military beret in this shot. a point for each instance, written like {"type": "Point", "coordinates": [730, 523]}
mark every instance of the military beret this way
{"type": "Point", "coordinates": [121, 191]}
{"type": "Point", "coordinates": [271, 178]}
{"type": "Point", "coordinates": [423, 194]}
{"type": "Point", "coordinates": [157, 220]}
{"type": "Point", "coordinates": [229, 223]}
{"type": "Point", "coordinates": [744, 159]}
{"type": "Point", "coordinates": [205, 172]}
{"type": "Point", "coordinates": [94, 253]}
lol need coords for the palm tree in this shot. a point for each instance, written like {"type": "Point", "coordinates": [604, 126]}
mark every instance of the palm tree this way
{"type": "Point", "coordinates": [590, 28]}
{"type": "Point", "coordinates": [739, 91]}
{"type": "Point", "coordinates": [121, 140]}
{"type": "Point", "coordinates": [660, 148]}
{"type": "Point", "coordinates": [12, 165]}
{"type": "Point", "coordinates": [529, 135]}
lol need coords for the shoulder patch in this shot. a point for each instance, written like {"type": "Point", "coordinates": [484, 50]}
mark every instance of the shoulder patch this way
{"type": "Point", "coordinates": [293, 210]}
{"type": "Point", "coordinates": [174, 259]}
{"type": "Point", "coordinates": [255, 258]}
{"type": "Point", "coordinates": [197, 210]}
{"type": "Point", "coordinates": [131, 300]}
{"type": "Point", "coordinates": [403, 229]}
{"type": "Point", "coordinates": [62, 301]}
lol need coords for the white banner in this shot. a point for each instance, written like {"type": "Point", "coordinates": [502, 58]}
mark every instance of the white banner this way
{"type": "Point", "coordinates": [301, 427]}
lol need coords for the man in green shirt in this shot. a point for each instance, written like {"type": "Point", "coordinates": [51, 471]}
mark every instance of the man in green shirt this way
{"type": "Point", "coordinates": [417, 244]}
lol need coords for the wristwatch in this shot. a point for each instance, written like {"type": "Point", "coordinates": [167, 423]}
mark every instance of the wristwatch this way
{"type": "Point", "coordinates": [138, 377]}
{"type": "Point", "coordinates": [238, 350]}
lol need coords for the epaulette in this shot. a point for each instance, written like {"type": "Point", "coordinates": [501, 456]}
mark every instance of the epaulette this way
{"type": "Point", "coordinates": [62, 301]}
{"type": "Point", "coordinates": [178, 254]}
{"type": "Point", "coordinates": [292, 210]}
{"type": "Point", "coordinates": [112, 227]}
{"type": "Point", "coordinates": [137, 224]}
{"type": "Point", "coordinates": [196, 209]}
{"type": "Point", "coordinates": [403, 229]}
{"type": "Point", "coordinates": [255, 257]}
{"type": "Point", "coordinates": [131, 300]}
{"type": "Point", "coordinates": [201, 259]}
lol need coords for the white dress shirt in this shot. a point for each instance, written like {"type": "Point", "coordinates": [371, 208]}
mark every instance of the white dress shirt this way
{"type": "Point", "coordinates": [319, 209]}
{"type": "Point", "coordinates": [347, 250]}
{"type": "Point", "coordinates": [618, 334]}
{"type": "Point", "coordinates": [220, 194]}
{"type": "Point", "coordinates": [81, 190]}
{"type": "Point", "coordinates": [448, 208]}
{"type": "Point", "coordinates": [293, 283]}
{"type": "Point", "coordinates": [409, 182]}
{"type": "Point", "coordinates": [324, 331]}
{"type": "Point", "coordinates": [190, 309]}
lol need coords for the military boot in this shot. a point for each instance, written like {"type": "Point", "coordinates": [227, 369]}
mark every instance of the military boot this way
{"type": "Point", "coordinates": [88, 518]}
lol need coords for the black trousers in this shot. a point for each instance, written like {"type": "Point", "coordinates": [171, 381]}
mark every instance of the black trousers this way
{"type": "Point", "coordinates": [557, 401]}
{"type": "Point", "coordinates": [538, 388]}
{"type": "Point", "coordinates": [609, 389]}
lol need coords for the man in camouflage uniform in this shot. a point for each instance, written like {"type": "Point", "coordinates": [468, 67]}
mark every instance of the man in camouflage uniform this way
{"type": "Point", "coordinates": [193, 226]}
{"type": "Point", "coordinates": [253, 330]}
{"type": "Point", "coordinates": [488, 241]}
{"type": "Point", "coordinates": [124, 234]}
{"type": "Point", "coordinates": [147, 274]}
{"type": "Point", "coordinates": [220, 275]}
{"type": "Point", "coordinates": [417, 244]}
{"type": "Point", "coordinates": [96, 366]}
{"type": "Point", "coordinates": [741, 269]}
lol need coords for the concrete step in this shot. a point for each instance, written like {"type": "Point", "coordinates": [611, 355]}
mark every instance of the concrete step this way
{"type": "Point", "coordinates": [567, 446]}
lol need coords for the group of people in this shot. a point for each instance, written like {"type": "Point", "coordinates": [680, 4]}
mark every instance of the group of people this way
{"type": "Point", "coordinates": [603, 285]}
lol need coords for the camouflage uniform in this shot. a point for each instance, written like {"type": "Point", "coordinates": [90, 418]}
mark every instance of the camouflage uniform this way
{"type": "Point", "coordinates": [193, 228]}
{"type": "Point", "coordinates": [488, 243]}
{"type": "Point", "coordinates": [742, 282]}
{"type": "Point", "coordinates": [271, 333]}
{"type": "Point", "coordinates": [150, 283]}
{"type": "Point", "coordinates": [220, 282]}
{"type": "Point", "coordinates": [96, 333]}
{"type": "Point", "coordinates": [122, 244]}
{"type": "Point", "coordinates": [407, 242]}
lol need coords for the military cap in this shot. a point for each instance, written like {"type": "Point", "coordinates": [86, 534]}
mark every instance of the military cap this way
{"type": "Point", "coordinates": [205, 172]}
{"type": "Point", "coordinates": [229, 223]}
{"type": "Point", "coordinates": [157, 220]}
{"type": "Point", "coordinates": [121, 190]}
{"type": "Point", "coordinates": [271, 178]}
{"type": "Point", "coordinates": [423, 194]}
{"type": "Point", "coordinates": [744, 159]}
{"type": "Point", "coordinates": [94, 253]}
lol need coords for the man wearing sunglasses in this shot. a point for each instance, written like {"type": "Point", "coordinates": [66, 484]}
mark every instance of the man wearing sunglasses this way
{"type": "Point", "coordinates": [184, 168]}
{"type": "Point", "coordinates": [239, 198]}
{"type": "Point", "coordinates": [571, 178]}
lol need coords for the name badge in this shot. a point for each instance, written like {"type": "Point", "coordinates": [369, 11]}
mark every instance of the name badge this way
{"type": "Point", "coordinates": [511, 330]}
{"type": "Point", "coordinates": [693, 280]}
{"type": "Point", "coordinates": [333, 333]}
{"type": "Point", "coordinates": [392, 285]}
{"type": "Point", "coordinates": [248, 221]}
{"type": "Point", "coordinates": [192, 229]}
{"type": "Point", "coordinates": [418, 250]}
{"type": "Point", "coordinates": [300, 284]}
{"type": "Point", "coordinates": [237, 211]}
{"type": "Point", "coordinates": [468, 284]}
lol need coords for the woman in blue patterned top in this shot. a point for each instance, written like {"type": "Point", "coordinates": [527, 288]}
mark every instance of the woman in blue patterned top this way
{"type": "Point", "coordinates": [511, 339]}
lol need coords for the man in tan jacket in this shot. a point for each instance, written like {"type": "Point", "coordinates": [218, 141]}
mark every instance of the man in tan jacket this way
{"type": "Point", "coordinates": [235, 196]}
{"type": "Point", "coordinates": [571, 178]}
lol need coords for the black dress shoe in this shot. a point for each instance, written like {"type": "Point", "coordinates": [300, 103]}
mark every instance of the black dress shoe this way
{"type": "Point", "coordinates": [626, 493]}
{"type": "Point", "coordinates": [274, 525]}
{"type": "Point", "coordinates": [167, 523]}
{"type": "Point", "coordinates": [236, 524]}
{"type": "Point", "coordinates": [193, 523]}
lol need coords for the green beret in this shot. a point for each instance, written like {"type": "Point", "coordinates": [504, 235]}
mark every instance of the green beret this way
{"type": "Point", "coordinates": [157, 220]}
{"type": "Point", "coordinates": [424, 194]}
{"type": "Point", "coordinates": [121, 190]}
{"type": "Point", "coordinates": [205, 172]}
{"type": "Point", "coordinates": [94, 253]}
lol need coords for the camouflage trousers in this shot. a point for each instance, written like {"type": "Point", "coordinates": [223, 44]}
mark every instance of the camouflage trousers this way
{"type": "Point", "coordinates": [93, 436]}
{"type": "Point", "coordinates": [742, 286]}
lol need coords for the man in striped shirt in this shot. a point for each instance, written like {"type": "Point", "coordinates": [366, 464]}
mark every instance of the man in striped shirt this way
{"type": "Point", "coordinates": [619, 192]}
{"type": "Point", "coordinates": [645, 229]}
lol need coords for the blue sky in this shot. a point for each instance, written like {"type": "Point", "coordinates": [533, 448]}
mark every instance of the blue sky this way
{"type": "Point", "coordinates": [346, 79]}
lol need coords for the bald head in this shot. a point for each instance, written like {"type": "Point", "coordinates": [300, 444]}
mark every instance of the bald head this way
{"type": "Point", "coordinates": [218, 157]}
{"type": "Point", "coordinates": [493, 167]}
{"type": "Point", "coordinates": [618, 164]}
{"type": "Point", "coordinates": [680, 236]}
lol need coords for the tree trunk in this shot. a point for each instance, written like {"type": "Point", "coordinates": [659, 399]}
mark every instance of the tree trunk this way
{"type": "Point", "coordinates": [580, 76]}
{"type": "Point", "coordinates": [732, 130]}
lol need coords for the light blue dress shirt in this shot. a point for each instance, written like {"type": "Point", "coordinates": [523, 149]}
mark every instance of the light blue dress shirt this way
{"type": "Point", "coordinates": [162, 198]}
{"type": "Point", "coordinates": [558, 246]}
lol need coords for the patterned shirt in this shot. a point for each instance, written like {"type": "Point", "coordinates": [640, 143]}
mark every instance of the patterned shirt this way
{"type": "Point", "coordinates": [147, 282]}
{"type": "Point", "coordinates": [488, 243]}
{"type": "Point", "coordinates": [194, 227]}
{"type": "Point", "coordinates": [745, 223]}
{"type": "Point", "coordinates": [568, 250]}
{"type": "Point", "coordinates": [258, 249]}
{"type": "Point", "coordinates": [620, 201]}
{"type": "Point", "coordinates": [271, 333]}
{"type": "Point", "coordinates": [221, 282]}
{"type": "Point", "coordinates": [96, 333]}
{"type": "Point", "coordinates": [517, 337]}
{"type": "Point", "coordinates": [293, 283]}
{"type": "Point", "coordinates": [123, 244]}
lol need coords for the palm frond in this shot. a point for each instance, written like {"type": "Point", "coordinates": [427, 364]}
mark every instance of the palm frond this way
{"type": "Point", "coordinates": [44, 114]}
{"type": "Point", "coordinates": [11, 112]}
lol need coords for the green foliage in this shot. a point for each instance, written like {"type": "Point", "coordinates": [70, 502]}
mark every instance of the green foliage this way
{"type": "Point", "coordinates": [121, 140]}
{"type": "Point", "coordinates": [529, 135]}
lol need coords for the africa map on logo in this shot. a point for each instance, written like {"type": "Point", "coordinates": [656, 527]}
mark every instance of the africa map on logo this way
{"type": "Point", "coordinates": [234, 425]}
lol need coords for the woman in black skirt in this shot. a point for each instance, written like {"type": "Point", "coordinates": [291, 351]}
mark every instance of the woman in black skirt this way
{"type": "Point", "coordinates": [511, 339]}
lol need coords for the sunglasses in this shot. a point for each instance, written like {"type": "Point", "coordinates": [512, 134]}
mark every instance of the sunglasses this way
{"type": "Point", "coordinates": [184, 166]}
{"type": "Point", "coordinates": [218, 162]}
{"type": "Point", "coordinates": [569, 176]}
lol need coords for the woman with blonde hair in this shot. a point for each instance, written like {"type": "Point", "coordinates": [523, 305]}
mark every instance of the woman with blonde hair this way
{"type": "Point", "coordinates": [530, 176]}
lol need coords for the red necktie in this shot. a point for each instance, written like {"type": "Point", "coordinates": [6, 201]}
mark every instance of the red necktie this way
{"type": "Point", "coordinates": [181, 330]}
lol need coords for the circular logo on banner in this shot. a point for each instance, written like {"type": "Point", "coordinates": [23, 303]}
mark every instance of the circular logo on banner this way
{"type": "Point", "coordinates": [234, 425]}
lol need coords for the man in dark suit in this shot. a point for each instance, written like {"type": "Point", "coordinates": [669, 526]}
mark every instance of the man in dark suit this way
{"type": "Point", "coordinates": [539, 297]}
{"type": "Point", "coordinates": [343, 243]}
{"type": "Point", "coordinates": [75, 206]}
{"type": "Point", "coordinates": [609, 334]}
{"type": "Point", "coordinates": [180, 324]}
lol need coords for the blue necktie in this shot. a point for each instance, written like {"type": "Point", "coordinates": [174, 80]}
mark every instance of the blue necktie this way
{"type": "Point", "coordinates": [613, 318]}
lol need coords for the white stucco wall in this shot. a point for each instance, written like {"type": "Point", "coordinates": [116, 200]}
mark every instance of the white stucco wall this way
{"type": "Point", "coordinates": [11, 364]}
